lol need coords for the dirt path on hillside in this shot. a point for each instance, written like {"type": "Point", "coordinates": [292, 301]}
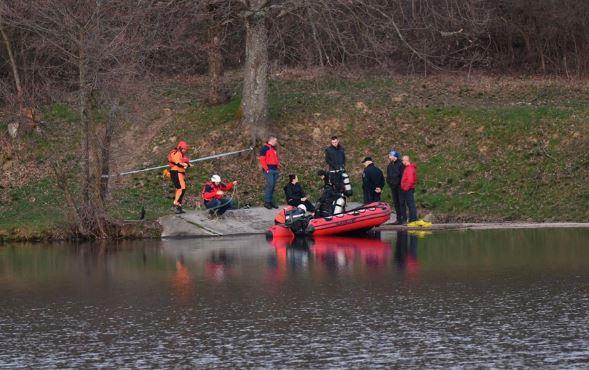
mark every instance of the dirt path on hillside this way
{"type": "Point", "coordinates": [135, 142]}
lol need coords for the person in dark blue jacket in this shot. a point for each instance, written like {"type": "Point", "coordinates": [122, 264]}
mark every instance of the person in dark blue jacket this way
{"type": "Point", "coordinates": [372, 181]}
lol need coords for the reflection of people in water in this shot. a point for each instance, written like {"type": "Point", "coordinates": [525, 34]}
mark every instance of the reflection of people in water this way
{"type": "Point", "coordinates": [218, 264]}
{"type": "Point", "coordinates": [293, 254]}
{"type": "Point", "coordinates": [406, 252]}
{"type": "Point", "coordinates": [181, 281]}
{"type": "Point", "coordinates": [326, 254]}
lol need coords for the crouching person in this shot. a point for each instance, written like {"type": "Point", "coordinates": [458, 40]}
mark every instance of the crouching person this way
{"type": "Point", "coordinates": [332, 201]}
{"type": "Point", "coordinates": [213, 195]}
{"type": "Point", "coordinates": [295, 195]}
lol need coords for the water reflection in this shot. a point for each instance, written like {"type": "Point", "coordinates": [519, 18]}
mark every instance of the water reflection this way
{"type": "Point", "coordinates": [182, 282]}
{"type": "Point", "coordinates": [406, 252]}
{"type": "Point", "coordinates": [330, 254]}
{"type": "Point", "coordinates": [484, 299]}
{"type": "Point", "coordinates": [219, 264]}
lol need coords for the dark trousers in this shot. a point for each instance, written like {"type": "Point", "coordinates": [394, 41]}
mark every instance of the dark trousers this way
{"type": "Point", "coordinates": [399, 203]}
{"type": "Point", "coordinates": [218, 206]}
{"type": "Point", "coordinates": [308, 205]}
{"type": "Point", "coordinates": [271, 179]}
{"type": "Point", "coordinates": [409, 198]}
{"type": "Point", "coordinates": [370, 196]}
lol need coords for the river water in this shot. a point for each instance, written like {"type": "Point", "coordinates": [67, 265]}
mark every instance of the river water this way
{"type": "Point", "coordinates": [447, 299]}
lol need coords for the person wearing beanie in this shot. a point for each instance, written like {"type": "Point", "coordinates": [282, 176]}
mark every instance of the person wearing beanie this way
{"type": "Point", "coordinates": [395, 170]}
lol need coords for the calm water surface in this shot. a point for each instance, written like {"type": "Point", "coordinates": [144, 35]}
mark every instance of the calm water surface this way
{"type": "Point", "coordinates": [449, 299]}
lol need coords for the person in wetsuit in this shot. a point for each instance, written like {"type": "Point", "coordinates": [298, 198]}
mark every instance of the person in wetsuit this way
{"type": "Point", "coordinates": [329, 196]}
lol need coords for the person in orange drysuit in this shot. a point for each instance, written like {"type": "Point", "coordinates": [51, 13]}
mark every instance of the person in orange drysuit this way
{"type": "Point", "coordinates": [178, 163]}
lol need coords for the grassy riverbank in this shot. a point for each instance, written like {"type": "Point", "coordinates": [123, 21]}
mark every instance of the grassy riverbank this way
{"type": "Point", "coordinates": [486, 148]}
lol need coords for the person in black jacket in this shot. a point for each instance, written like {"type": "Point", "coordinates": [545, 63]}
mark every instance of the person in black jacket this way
{"type": "Point", "coordinates": [335, 155]}
{"type": "Point", "coordinates": [295, 194]}
{"type": "Point", "coordinates": [372, 181]}
{"type": "Point", "coordinates": [395, 170]}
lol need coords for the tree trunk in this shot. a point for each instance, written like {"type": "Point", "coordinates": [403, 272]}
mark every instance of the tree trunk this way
{"type": "Point", "coordinates": [12, 63]}
{"type": "Point", "coordinates": [105, 156]}
{"type": "Point", "coordinates": [255, 84]}
{"type": "Point", "coordinates": [311, 20]}
{"type": "Point", "coordinates": [85, 125]}
{"type": "Point", "coordinates": [216, 88]}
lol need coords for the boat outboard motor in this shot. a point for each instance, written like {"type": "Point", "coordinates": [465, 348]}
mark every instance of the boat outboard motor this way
{"type": "Point", "coordinates": [339, 206]}
{"type": "Point", "coordinates": [296, 220]}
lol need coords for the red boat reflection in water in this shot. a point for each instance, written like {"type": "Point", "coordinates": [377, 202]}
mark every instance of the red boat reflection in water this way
{"type": "Point", "coordinates": [329, 253]}
{"type": "Point", "coordinates": [343, 253]}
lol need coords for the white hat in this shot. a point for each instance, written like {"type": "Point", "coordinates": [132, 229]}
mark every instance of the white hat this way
{"type": "Point", "coordinates": [216, 178]}
{"type": "Point", "coordinates": [302, 207]}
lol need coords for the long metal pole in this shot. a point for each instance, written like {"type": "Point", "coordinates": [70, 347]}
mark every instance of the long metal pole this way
{"type": "Point", "coordinates": [191, 161]}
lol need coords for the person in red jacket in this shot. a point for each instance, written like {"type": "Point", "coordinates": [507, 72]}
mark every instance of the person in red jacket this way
{"type": "Point", "coordinates": [213, 195]}
{"type": "Point", "coordinates": [268, 158]}
{"type": "Point", "coordinates": [408, 182]}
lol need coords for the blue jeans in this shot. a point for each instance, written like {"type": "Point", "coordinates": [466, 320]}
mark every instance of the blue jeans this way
{"type": "Point", "coordinates": [271, 180]}
{"type": "Point", "coordinates": [409, 198]}
{"type": "Point", "coordinates": [220, 206]}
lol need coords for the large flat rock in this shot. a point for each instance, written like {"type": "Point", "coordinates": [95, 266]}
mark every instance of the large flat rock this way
{"type": "Point", "coordinates": [254, 220]}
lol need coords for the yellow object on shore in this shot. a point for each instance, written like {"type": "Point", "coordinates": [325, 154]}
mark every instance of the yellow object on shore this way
{"type": "Point", "coordinates": [419, 223]}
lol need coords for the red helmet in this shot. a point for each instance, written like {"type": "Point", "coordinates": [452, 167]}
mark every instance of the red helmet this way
{"type": "Point", "coordinates": [183, 145]}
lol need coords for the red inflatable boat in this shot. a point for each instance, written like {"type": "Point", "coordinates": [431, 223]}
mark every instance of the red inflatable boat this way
{"type": "Point", "coordinates": [359, 219]}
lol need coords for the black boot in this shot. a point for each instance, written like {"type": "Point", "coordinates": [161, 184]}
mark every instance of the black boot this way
{"type": "Point", "coordinates": [179, 210]}
{"type": "Point", "coordinates": [268, 205]}
{"type": "Point", "coordinates": [274, 205]}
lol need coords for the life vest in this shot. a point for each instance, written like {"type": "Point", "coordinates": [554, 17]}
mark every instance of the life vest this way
{"type": "Point", "coordinates": [268, 157]}
{"type": "Point", "coordinates": [210, 189]}
{"type": "Point", "coordinates": [175, 157]}
{"type": "Point", "coordinates": [280, 218]}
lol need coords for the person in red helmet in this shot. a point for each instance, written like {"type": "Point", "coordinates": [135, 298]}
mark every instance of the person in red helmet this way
{"type": "Point", "coordinates": [178, 163]}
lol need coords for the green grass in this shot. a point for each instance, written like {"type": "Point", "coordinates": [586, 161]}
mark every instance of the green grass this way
{"type": "Point", "coordinates": [33, 208]}
{"type": "Point", "coordinates": [60, 112]}
{"type": "Point", "coordinates": [515, 152]}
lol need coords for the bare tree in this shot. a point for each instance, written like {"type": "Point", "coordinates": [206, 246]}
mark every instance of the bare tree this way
{"type": "Point", "coordinates": [11, 59]}
{"type": "Point", "coordinates": [255, 80]}
{"type": "Point", "coordinates": [217, 15]}
{"type": "Point", "coordinates": [97, 47]}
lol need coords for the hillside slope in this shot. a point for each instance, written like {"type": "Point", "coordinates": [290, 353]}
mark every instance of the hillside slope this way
{"type": "Point", "coordinates": [486, 148]}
